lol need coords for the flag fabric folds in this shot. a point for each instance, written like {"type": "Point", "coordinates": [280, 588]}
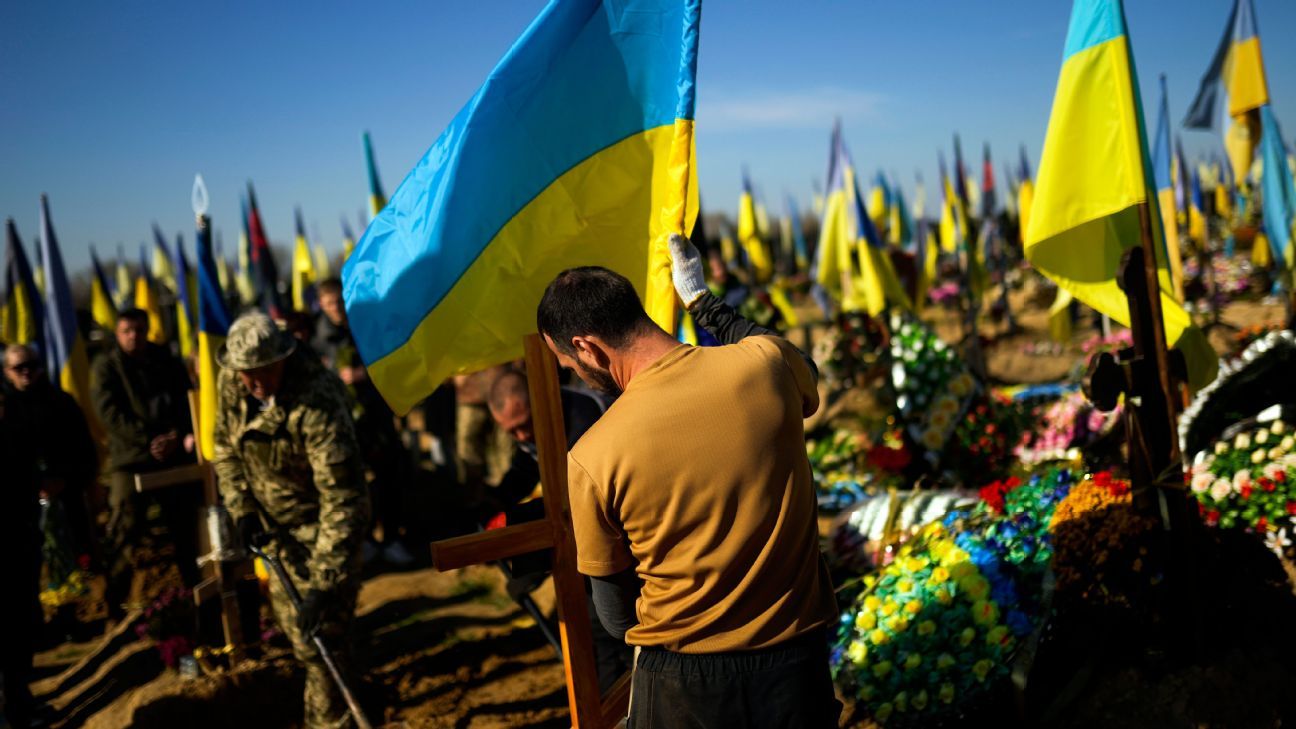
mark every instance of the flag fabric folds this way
{"type": "Point", "coordinates": [1279, 195]}
{"type": "Point", "coordinates": [303, 270]}
{"type": "Point", "coordinates": [1095, 174]}
{"type": "Point", "coordinates": [213, 325]}
{"type": "Point", "coordinates": [265, 273]}
{"type": "Point", "coordinates": [146, 298]}
{"type": "Point", "coordinates": [65, 352]}
{"type": "Point", "coordinates": [163, 267]}
{"type": "Point", "coordinates": [751, 235]}
{"type": "Point", "coordinates": [1165, 191]}
{"type": "Point", "coordinates": [1236, 72]}
{"type": "Point", "coordinates": [1025, 194]}
{"type": "Point", "coordinates": [22, 318]}
{"type": "Point", "coordinates": [577, 150]}
{"type": "Point", "coordinates": [186, 293]}
{"type": "Point", "coordinates": [102, 309]}
{"type": "Point", "coordinates": [125, 295]}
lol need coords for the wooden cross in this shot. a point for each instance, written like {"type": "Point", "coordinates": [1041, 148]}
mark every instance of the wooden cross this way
{"type": "Point", "coordinates": [220, 579]}
{"type": "Point", "coordinates": [590, 709]}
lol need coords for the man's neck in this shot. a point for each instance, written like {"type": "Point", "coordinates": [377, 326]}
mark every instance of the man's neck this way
{"type": "Point", "coordinates": [642, 353]}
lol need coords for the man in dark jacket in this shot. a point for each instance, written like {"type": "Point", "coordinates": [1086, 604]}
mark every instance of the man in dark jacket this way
{"type": "Point", "coordinates": [65, 452]}
{"type": "Point", "coordinates": [141, 396]}
{"type": "Point", "coordinates": [20, 612]}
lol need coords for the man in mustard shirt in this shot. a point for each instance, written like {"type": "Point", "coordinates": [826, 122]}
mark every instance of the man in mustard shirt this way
{"type": "Point", "coordinates": [693, 505]}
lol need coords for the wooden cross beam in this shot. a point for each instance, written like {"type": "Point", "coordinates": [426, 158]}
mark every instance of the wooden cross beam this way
{"type": "Point", "coordinates": [590, 709]}
{"type": "Point", "coordinates": [220, 579]}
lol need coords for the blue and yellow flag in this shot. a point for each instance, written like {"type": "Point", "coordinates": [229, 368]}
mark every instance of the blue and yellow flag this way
{"type": "Point", "coordinates": [65, 352]}
{"type": "Point", "coordinates": [953, 218]}
{"type": "Point", "coordinates": [303, 270]}
{"type": "Point", "coordinates": [751, 235]}
{"type": "Point", "coordinates": [1197, 210]}
{"type": "Point", "coordinates": [1279, 194]}
{"type": "Point", "coordinates": [799, 253]}
{"type": "Point", "coordinates": [1025, 194]}
{"type": "Point", "coordinates": [877, 284]}
{"type": "Point", "coordinates": [377, 198]}
{"type": "Point", "coordinates": [1165, 192]}
{"type": "Point", "coordinates": [213, 325]}
{"type": "Point", "coordinates": [577, 150]}
{"type": "Point", "coordinates": [102, 309]}
{"type": "Point", "coordinates": [146, 298]}
{"type": "Point", "coordinates": [1094, 176]}
{"type": "Point", "coordinates": [22, 317]}
{"type": "Point", "coordinates": [163, 267]}
{"type": "Point", "coordinates": [244, 281]}
{"type": "Point", "coordinates": [186, 295]}
{"type": "Point", "coordinates": [834, 269]}
{"type": "Point", "coordinates": [222, 265]}
{"type": "Point", "coordinates": [1237, 73]}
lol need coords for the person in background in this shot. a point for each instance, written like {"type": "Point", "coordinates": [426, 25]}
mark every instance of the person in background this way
{"type": "Point", "coordinates": [510, 407]}
{"type": "Point", "coordinates": [380, 443]}
{"type": "Point", "coordinates": [693, 505]}
{"type": "Point", "coordinates": [20, 539]}
{"type": "Point", "coordinates": [476, 438]}
{"type": "Point", "coordinates": [141, 395]}
{"type": "Point", "coordinates": [288, 466]}
{"type": "Point", "coordinates": [67, 459]}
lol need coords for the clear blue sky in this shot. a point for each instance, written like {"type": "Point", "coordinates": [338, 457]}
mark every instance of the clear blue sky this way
{"type": "Point", "coordinates": [111, 107]}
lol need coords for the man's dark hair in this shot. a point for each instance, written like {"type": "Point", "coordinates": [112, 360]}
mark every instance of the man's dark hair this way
{"type": "Point", "coordinates": [511, 384]}
{"type": "Point", "coordinates": [590, 300]}
{"type": "Point", "coordinates": [330, 286]}
{"type": "Point", "coordinates": [133, 314]}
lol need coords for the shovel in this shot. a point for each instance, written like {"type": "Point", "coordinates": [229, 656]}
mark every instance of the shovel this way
{"type": "Point", "coordinates": [325, 654]}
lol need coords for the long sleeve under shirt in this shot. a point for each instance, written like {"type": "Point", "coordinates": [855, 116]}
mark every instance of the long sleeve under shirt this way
{"type": "Point", "coordinates": [614, 596]}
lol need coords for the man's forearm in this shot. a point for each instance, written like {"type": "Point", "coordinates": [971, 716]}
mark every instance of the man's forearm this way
{"type": "Point", "coordinates": [730, 327]}
{"type": "Point", "coordinates": [614, 600]}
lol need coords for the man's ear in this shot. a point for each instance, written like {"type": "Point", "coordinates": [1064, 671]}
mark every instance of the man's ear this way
{"type": "Point", "coordinates": [591, 350]}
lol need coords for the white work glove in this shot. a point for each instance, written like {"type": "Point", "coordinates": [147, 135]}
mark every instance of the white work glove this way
{"type": "Point", "coordinates": [686, 270]}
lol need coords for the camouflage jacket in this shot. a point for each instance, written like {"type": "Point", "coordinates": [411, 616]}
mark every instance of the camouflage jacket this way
{"type": "Point", "coordinates": [298, 464]}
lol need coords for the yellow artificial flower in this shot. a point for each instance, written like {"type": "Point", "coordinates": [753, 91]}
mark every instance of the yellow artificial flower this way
{"type": "Point", "coordinates": [913, 607]}
{"type": "Point", "coordinates": [889, 608]}
{"type": "Point", "coordinates": [912, 661]}
{"type": "Point", "coordinates": [881, 668]}
{"type": "Point", "coordinates": [939, 420]}
{"type": "Point", "coordinates": [939, 575]}
{"type": "Point", "coordinates": [884, 712]}
{"type": "Point", "coordinates": [901, 701]}
{"type": "Point", "coordinates": [981, 668]}
{"type": "Point", "coordinates": [926, 627]}
{"type": "Point", "coordinates": [872, 603]}
{"type": "Point", "coordinates": [946, 694]}
{"type": "Point", "coordinates": [932, 439]}
{"type": "Point", "coordinates": [944, 661]}
{"type": "Point", "coordinates": [866, 622]}
{"type": "Point", "coordinates": [965, 638]}
{"type": "Point", "coordinates": [866, 692]}
{"type": "Point", "coordinates": [857, 652]}
{"type": "Point", "coordinates": [904, 585]}
{"type": "Point", "coordinates": [974, 586]}
{"type": "Point", "coordinates": [996, 635]}
{"type": "Point", "coordinates": [879, 637]}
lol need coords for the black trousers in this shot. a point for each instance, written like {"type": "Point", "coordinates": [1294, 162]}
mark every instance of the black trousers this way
{"type": "Point", "coordinates": [784, 687]}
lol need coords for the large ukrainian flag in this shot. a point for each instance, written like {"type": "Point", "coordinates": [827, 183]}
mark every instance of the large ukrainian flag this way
{"type": "Point", "coordinates": [1094, 176]}
{"type": "Point", "coordinates": [1279, 193]}
{"type": "Point", "coordinates": [102, 309]}
{"type": "Point", "coordinates": [751, 233]}
{"type": "Point", "coordinates": [577, 150]}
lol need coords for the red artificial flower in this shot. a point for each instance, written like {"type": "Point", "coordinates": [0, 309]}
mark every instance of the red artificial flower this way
{"type": "Point", "coordinates": [990, 429]}
{"type": "Point", "coordinates": [1246, 491]}
{"type": "Point", "coordinates": [1212, 517]}
{"type": "Point", "coordinates": [1268, 486]}
{"type": "Point", "coordinates": [1262, 524]}
{"type": "Point", "coordinates": [1281, 477]}
{"type": "Point", "coordinates": [993, 495]}
{"type": "Point", "coordinates": [1291, 508]}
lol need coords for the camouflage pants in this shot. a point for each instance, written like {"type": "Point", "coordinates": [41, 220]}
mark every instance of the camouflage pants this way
{"type": "Point", "coordinates": [324, 705]}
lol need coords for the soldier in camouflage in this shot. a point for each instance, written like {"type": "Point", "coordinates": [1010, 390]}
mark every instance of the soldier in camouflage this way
{"type": "Point", "coordinates": [287, 460]}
